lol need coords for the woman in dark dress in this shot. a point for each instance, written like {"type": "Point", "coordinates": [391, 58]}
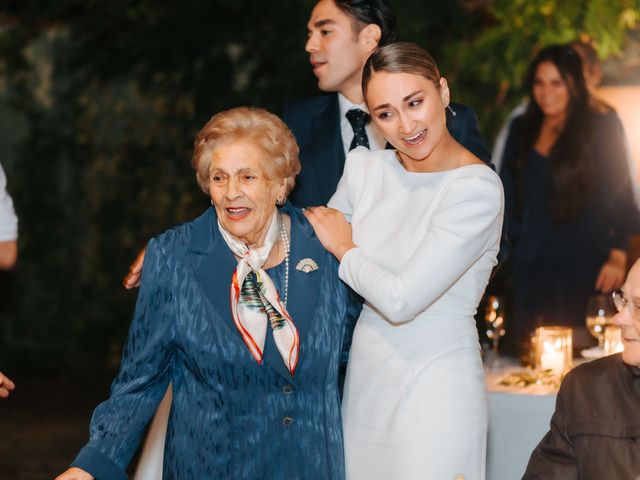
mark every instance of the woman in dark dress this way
{"type": "Point", "coordinates": [569, 201]}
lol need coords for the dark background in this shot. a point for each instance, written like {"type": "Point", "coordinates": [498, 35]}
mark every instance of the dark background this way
{"type": "Point", "coordinates": [99, 104]}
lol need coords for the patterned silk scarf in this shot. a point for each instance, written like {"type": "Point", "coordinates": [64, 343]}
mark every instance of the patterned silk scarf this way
{"type": "Point", "coordinates": [253, 303]}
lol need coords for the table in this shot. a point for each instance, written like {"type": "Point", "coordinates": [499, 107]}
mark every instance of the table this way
{"type": "Point", "coordinates": [518, 419]}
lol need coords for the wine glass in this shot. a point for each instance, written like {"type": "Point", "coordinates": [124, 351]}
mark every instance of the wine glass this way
{"type": "Point", "coordinates": [600, 312]}
{"type": "Point", "coordinates": [494, 322]}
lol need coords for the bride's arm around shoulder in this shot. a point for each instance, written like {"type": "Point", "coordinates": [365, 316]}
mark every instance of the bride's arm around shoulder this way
{"type": "Point", "coordinates": [466, 224]}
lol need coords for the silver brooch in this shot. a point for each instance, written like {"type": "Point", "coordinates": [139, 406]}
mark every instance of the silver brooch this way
{"type": "Point", "coordinates": [307, 265]}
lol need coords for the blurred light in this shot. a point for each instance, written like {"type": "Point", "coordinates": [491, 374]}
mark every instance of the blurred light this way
{"type": "Point", "coordinates": [626, 101]}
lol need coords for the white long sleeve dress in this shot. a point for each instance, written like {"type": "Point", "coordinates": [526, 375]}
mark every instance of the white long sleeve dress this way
{"type": "Point", "coordinates": [414, 403]}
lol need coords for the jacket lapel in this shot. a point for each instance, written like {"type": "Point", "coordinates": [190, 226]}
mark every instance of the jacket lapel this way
{"type": "Point", "coordinates": [327, 151]}
{"type": "Point", "coordinates": [304, 289]}
{"type": "Point", "coordinates": [213, 266]}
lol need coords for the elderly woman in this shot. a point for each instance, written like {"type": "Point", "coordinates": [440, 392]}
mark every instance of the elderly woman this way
{"type": "Point", "coordinates": [243, 312]}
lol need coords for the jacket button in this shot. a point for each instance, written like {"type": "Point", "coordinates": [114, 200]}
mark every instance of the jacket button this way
{"type": "Point", "coordinates": [287, 421]}
{"type": "Point", "coordinates": [287, 389]}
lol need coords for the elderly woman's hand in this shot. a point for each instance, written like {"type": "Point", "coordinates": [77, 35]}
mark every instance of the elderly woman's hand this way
{"type": "Point", "coordinates": [75, 474]}
{"type": "Point", "coordinates": [332, 229]}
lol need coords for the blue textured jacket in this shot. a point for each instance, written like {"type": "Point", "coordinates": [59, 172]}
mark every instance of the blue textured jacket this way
{"type": "Point", "coordinates": [231, 418]}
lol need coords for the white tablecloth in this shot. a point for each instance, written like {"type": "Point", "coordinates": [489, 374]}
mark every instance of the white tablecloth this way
{"type": "Point", "coordinates": [518, 419]}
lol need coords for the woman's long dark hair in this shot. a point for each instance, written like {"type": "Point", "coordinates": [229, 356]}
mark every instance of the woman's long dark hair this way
{"type": "Point", "coordinates": [570, 155]}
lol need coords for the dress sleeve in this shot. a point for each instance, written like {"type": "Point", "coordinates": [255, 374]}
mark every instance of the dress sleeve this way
{"type": "Point", "coordinates": [465, 225]}
{"type": "Point", "coordinates": [554, 458]}
{"type": "Point", "coordinates": [145, 371]}
{"type": "Point", "coordinates": [351, 182]}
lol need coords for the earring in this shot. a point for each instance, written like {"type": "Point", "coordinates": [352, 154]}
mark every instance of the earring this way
{"type": "Point", "coordinates": [451, 110]}
{"type": "Point", "coordinates": [212, 204]}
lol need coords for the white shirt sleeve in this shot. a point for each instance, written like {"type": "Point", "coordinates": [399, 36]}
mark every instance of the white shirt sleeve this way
{"type": "Point", "coordinates": [466, 224]}
{"type": "Point", "coordinates": [501, 140]}
{"type": "Point", "coordinates": [633, 171]}
{"type": "Point", "coordinates": [8, 219]}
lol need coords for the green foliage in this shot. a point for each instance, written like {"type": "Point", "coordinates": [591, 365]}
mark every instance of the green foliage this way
{"type": "Point", "coordinates": [492, 64]}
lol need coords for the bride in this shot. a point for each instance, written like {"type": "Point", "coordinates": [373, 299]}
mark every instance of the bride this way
{"type": "Point", "coordinates": [424, 232]}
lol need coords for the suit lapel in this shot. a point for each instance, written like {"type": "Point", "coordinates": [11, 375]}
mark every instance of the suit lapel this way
{"type": "Point", "coordinates": [327, 151]}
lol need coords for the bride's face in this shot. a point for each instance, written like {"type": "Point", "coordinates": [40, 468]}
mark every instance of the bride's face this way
{"type": "Point", "coordinates": [409, 110]}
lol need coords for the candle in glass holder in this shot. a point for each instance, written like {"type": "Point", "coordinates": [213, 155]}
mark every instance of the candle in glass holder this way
{"type": "Point", "coordinates": [553, 351]}
{"type": "Point", "coordinates": [552, 359]}
{"type": "Point", "coordinates": [613, 340]}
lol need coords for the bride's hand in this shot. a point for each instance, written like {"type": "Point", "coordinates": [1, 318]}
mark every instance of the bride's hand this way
{"type": "Point", "coordinates": [332, 229]}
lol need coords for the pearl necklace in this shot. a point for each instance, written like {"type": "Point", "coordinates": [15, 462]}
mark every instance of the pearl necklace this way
{"type": "Point", "coordinates": [285, 244]}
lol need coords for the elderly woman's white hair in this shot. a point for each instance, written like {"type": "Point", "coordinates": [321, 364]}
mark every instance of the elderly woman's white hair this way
{"type": "Point", "coordinates": [256, 125]}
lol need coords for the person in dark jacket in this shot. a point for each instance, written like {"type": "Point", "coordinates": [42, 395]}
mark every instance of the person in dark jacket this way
{"type": "Point", "coordinates": [569, 200]}
{"type": "Point", "coordinates": [596, 425]}
{"type": "Point", "coordinates": [342, 34]}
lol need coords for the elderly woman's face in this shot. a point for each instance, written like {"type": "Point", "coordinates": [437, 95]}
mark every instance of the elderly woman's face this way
{"type": "Point", "coordinates": [244, 198]}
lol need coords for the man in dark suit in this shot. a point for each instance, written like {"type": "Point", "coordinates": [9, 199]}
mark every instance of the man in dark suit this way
{"type": "Point", "coordinates": [342, 35]}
